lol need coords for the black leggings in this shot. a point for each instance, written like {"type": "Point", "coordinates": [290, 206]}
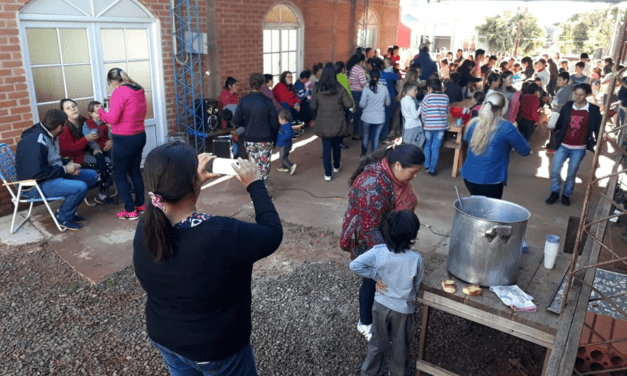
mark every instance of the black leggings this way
{"type": "Point", "coordinates": [487, 190]}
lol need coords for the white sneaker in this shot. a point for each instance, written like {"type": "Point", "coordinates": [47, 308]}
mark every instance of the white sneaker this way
{"type": "Point", "coordinates": [336, 170]}
{"type": "Point", "coordinates": [327, 178]}
{"type": "Point", "coordinates": [365, 330]}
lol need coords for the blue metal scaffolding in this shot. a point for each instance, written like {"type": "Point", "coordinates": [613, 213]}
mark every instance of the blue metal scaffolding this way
{"type": "Point", "coordinates": [187, 46]}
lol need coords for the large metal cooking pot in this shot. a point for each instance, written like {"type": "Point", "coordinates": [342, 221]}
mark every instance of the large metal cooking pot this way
{"type": "Point", "coordinates": [486, 240]}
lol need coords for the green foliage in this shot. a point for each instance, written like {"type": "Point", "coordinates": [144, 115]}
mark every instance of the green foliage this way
{"type": "Point", "coordinates": [585, 32]}
{"type": "Point", "coordinates": [499, 32]}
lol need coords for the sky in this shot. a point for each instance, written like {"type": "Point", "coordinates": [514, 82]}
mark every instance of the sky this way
{"type": "Point", "coordinates": [464, 11]}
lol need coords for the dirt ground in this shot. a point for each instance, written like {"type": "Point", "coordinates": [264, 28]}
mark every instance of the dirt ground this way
{"type": "Point", "coordinates": [305, 311]}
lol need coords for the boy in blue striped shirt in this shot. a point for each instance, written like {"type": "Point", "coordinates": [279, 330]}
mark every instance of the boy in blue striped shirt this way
{"type": "Point", "coordinates": [434, 110]}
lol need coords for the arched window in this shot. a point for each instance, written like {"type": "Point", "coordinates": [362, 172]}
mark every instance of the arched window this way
{"type": "Point", "coordinates": [70, 46]}
{"type": "Point", "coordinates": [282, 34]}
{"type": "Point", "coordinates": [368, 31]}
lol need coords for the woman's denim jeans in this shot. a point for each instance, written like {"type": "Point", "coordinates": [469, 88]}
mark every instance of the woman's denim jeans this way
{"type": "Point", "coordinates": [239, 364]}
{"type": "Point", "coordinates": [127, 158]}
{"type": "Point", "coordinates": [372, 133]}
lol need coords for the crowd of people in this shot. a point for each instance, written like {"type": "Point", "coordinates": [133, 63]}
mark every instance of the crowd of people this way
{"type": "Point", "coordinates": [401, 115]}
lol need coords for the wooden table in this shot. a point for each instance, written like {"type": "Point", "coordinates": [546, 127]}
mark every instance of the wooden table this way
{"type": "Point", "coordinates": [456, 142]}
{"type": "Point", "coordinates": [538, 327]}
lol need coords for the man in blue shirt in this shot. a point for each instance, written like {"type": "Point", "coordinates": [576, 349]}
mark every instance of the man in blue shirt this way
{"type": "Point", "coordinates": [424, 59]}
{"type": "Point", "coordinates": [390, 80]}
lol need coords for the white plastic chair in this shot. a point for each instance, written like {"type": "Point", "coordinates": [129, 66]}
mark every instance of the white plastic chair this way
{"type": "Point", "coordinates": [9, 178]}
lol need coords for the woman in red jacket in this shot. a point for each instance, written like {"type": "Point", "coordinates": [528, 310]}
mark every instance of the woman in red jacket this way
{"type": "Point", "coordinates": [285, 93]}
{"type": "Point", "coordinates": [229, 97]}
{"type": "Point", "coordinates": [73, 144]}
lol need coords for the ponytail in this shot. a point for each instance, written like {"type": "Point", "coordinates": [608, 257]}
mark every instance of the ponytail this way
{"type": "Point", "coordinates": [118, 75]}
{"type": "Point", "coordinates": [158, 233]}
{"type": "Point", "coordinates": [375, 75]}
{"type": "Point", "coordinates": [171, 173]}
{"type": "Point", "coordinates": [487, 122]}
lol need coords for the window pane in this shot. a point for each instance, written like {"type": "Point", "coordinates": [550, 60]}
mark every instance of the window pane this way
{"type": "Point", "coordinates": [287, 16]}
{"type": "Point", "coordinates": [293, 40]}
{"type": "Point", "coordinates": [150, 113]}
{"type": "Point", "coordinates": [137, 44]}
{"type": "Point", "coordinates": [43, 46]}
{"type": "Point", "coordinates": [275, 15]}
{"type": "Point", "coordinates": [42, 109]}
{"type": "Point", "coordinates": [113, 44]}
{"type": "Point", "coordinates": [82, 106]}
{"type": "Point", "coordinates": [276, 64]}
{"type": "Point", "coordinates": [107, 67]}
{"type": "Point", "coordinates": [275, 40]}
{"type": "Point", "coordinates": [284, 40]}
{"type": "Point", "coordinates": [139, 72]}
{"type": "Point", "coordinates": [292, 62]}
{"type": "Point", "coordinates": [78, 81]}
{"type": "Point", "coordinates": [284, 63]}
{"type": "Point", "coordinates": [267, 64]}
{"type": "Point", "coordinates": [74, 46]}
{"type": "Point", "coordinates": [267, 41]}
{"type": "Point", "coordinates": [48, 84]}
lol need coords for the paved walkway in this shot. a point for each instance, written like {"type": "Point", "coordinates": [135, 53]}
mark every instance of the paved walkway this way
{"type": "Point", "coordinates": [104, 245]}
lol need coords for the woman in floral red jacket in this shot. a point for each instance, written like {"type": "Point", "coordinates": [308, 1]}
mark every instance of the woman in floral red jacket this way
{"type": "Point", "coordinates": [381, 184]}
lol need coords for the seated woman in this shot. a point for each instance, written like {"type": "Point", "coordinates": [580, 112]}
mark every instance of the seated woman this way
{"type": "Point", "coordinates": [73, 144]}
{"type": "Point", "coordinates": [285, 94]}
{"type": "Point", "coordinates": [229, 99]}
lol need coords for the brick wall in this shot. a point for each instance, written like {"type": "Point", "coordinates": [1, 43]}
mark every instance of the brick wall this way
{"type": "Point", "coordinates": [15, 105]}
{"type": "Point", "coordinates": [240, 36]}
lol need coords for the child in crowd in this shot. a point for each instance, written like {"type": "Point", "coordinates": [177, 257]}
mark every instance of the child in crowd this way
{"type": "Point", "coordinates": [578, 77]}
{"type": "Point", "coordinates": [401, 269]}
{"type": "Point", "coordinates": [563, 95]}
{"type": "Point", "coordinates": [100, 150]}
{"type": "Point", "coordinates": [542, 73]}
{"type": "Point", "coordinates": [453, 68]}
{"type": "Point", "coordinates": [303, 91]}
{"type": "Point", "coordinates": [413, 132]}
{"type": "Point", "coordinates": [444, 70]}
{"type": "Point", "coordinates": [453, 90]}
{"type": "Point", "coordinates": [284, 141]}
{"type": "Point", "coordinates": [564, 66]}
{"type": "Point", "coordinates": [529, 107]}
{"type": "Point", "coordinates": [374, 99]}
{"type": "Point", "coordinates": [434, 109]}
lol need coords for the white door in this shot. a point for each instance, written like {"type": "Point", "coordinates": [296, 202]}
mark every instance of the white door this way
{"type": "Point", "coordinates": [128, 48]}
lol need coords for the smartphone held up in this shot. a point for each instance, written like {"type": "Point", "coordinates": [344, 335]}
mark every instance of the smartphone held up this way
{"type": "Point", "coordinates": [222, 166]}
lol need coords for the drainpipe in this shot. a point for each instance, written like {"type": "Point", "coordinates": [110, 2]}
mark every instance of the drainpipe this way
{"type": "Point", "coordinates": [213, 58]}
{"type": "Point", "coordinates": [351, 33]}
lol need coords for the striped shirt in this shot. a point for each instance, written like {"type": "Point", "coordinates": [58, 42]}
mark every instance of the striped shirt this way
{"type": "Point", "coordinates": [434, 109]}
{"type": "Point", "coordinates": [357, 78]}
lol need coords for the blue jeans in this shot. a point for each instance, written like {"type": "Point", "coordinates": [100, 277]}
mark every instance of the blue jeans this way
{"type": "Point", "coordinates": [127, 159]}
{"type": "Point", "coordinates": [372, 133]}
{"type": "Point", "coordinates": [239, 364]}
{"type": "Point", "coordinates": [559, 158]}
{"type": "Point", "coordinates": [292, 111]}
{"type": "Point", "coordinates": [331, 145]}
{"type": "Point", "coordinates": [357, 113]}
{"type": "Point", "coordinates": [433, 141]}
{"type": "Point", "coordinates": [72, 187]}
{"type": "Point", "coordinates": [366, 300]}
{"type": "Point", "coordinates": [621, 116]}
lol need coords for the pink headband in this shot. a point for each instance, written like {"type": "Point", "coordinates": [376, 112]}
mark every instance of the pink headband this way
{"type": "Point", "coordinates": [157, 201]}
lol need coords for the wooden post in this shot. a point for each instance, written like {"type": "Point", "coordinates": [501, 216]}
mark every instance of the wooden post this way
{"type": "Point", "coordinates": [518, 33]}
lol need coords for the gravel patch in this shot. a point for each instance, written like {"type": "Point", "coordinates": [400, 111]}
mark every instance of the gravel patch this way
{"type": "Point", "coordinates": [305, 309]}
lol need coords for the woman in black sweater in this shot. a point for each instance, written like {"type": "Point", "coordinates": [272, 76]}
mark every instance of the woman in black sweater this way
{"type": "Point", "coordinates": [196, 268]}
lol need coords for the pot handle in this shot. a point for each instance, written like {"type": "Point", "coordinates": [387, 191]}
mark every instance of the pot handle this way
{"type": "Point", "coordinates": [503, 232]}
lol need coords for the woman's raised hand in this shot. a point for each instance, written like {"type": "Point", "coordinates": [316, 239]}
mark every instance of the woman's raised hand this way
{"type": "Point", "coordinates": [247, 171]}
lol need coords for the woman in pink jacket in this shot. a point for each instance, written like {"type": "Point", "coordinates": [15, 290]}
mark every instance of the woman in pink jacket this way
{"type": "Point", "coordinates": [127, 111]}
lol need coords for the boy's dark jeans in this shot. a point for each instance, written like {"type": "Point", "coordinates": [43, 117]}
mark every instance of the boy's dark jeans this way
{"type": "Point", "coordinates": [285, 153]}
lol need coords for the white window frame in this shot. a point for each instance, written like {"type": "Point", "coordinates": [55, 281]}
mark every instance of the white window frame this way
{"type": "Point", "coordinates": [93, 26]}
{"type": "Point", "coordinates": [300, 44]}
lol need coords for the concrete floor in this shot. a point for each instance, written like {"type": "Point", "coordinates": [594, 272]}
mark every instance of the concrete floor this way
{"type": "Point", "coordinates": [104, 245]}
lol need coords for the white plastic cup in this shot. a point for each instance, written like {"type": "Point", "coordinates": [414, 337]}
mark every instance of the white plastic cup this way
{"type": "Point", "coordinates": [551, 249]}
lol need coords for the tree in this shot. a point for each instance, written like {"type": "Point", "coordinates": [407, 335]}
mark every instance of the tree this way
{"type": "Point", "coordinates": [585, 32]}
{"type": "Point", "coordinates": [499, 32]}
